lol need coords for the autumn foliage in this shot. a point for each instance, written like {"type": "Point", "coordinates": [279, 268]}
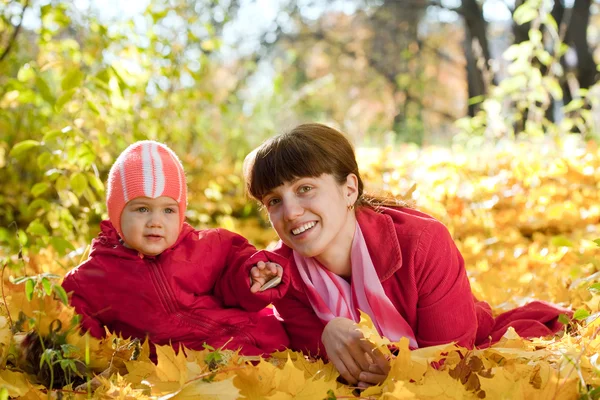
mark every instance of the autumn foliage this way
{"type": "Point", "coordinates": [525, 216]}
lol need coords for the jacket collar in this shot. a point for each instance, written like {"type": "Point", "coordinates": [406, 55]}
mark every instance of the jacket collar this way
{"type": "Point", "coordinates": [108, 240]}
{"type": "Point", "coordinates": [381, 238]}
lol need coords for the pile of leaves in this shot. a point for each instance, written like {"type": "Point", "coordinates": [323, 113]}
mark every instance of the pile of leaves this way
{"type": "Point", "coordinates": [526, 217]}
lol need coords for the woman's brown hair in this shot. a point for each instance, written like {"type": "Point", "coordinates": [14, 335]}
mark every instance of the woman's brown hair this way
{"type": "Point", "coordinates": [308, 150]}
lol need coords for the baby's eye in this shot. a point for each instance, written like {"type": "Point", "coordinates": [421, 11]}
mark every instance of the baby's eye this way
{"type": "Point", "coordinates": [142, 209]}
{"type": "Point", "coordinates": [169, 210]}
{"type": "Point", "coordinates": [304, 189]}
{"type": "Point", "coordinates": [273, 201]}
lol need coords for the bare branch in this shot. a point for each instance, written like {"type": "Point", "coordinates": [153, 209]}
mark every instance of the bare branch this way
{"type": "Point", "coordinates": [13, 38]}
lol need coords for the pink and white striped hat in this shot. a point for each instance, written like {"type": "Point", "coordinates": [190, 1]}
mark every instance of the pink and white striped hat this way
{"type": "Point", "coordinates": [145, 169]}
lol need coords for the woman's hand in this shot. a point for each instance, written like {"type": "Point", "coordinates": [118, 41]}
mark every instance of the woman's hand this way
{"type": "Point", "coordinates": [357, 360]}
{"type": "Point", "coordinates": [262, 273]}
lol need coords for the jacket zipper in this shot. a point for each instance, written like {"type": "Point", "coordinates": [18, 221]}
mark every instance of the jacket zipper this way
{"type": "Point", "coordinates": [171, 307]}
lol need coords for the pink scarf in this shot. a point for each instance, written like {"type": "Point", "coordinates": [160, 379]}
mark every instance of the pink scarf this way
{"type": "Point", "coordinates": [331, 296]}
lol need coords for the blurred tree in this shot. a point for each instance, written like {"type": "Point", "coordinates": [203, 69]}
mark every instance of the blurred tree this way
{"type": "Point", "coordinates": [397, 42]}
{"type": "Point", "coordinates": [76, 90]}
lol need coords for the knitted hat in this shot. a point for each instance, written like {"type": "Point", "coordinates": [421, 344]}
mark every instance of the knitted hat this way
{"type": "Point", "coordinates": [145, 169]}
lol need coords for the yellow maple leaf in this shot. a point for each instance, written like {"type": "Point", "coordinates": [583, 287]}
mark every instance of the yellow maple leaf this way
{"type": "Point", "coordinates": [511, 339]}
{"type": "Point", "coordinates": [137, 371]}
{"type": "Point", "coordinates": [291, 379]}
{"type": "Point", "coordinates": [508, 383]}
{"type": "Point", "coordinates": [222, 390]}
{"type": "Point", "coordinates": [377, 390]}
{"type": "Point", "coordinates": [433, 353]}
{"type": "Point", "coordinates": [257, 382]}
{"type": "Point", "coordinates": [399, 392]}
{"type": "Point", "coordinates": [317, 369]}
{"type": "Point", "coordinates": [311, 390]}
{"type": "Point", "coordinates": [118, 388]}
{"type": "Point", "coordinates": [370, 333]}
{"type": "Point", "coordinates": [315, 389]}
{"type": "Point", "coordinates": [545, 383]}
{"type": "Point", "coordinates": [170, 367]}
{"type": "Point", "coordinates": [287, 353]}
{"type": "Point", "coordinates": [15, 382]}
{"type": "Point", "coordinates": [5, 337]}
{"type": "Point", "coordinates": [281, 396]}
{"type": "Point", "coordinates": [403, 367]}
{"type": "Point", "coordinates": [438, 385]}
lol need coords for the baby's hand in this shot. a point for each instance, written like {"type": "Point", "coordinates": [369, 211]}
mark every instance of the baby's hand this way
{"type": "Point", "coordinates": [265, 275]}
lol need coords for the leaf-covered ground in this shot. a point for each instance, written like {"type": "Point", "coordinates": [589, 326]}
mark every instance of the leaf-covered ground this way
{"type": "Point", "coordinates": [525, 217]}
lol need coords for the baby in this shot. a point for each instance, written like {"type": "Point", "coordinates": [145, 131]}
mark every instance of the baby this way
{"type": "Point", "coordinates": [150, 274]}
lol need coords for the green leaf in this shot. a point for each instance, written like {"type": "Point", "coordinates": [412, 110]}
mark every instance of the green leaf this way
{"type": "Point", "coordinates": [62, 295]}
{"type": "Point", "coordinates": [524, 14]}
{"type": "Point", "coordinates": [561, 241]}
{"type": "Point", "coordinates": [62, 183]}
{"type": "Point", "coordinates": [72, 80]}
{"type": "Point", "coordinates": [48, 356]}
{"type": "Point", "coordinates": [64, 99]}
{"type": "Point", "coordinates": [551, 22]}
{"type": "Point", "coordinates": [37, 204]}
{"type": "Point", "coordinates": [597, 241]}
{"type": "Point", "coordinates": [581, 314]}
{"type": "Point", "coordinates": [535, 36]}
{"type": "Point", "coordinates": [29, 285]}
{"type": "Point", "coordinates": [22, 236]}
{"type": "Point", "coordinates": [575, 104]}
{"type": "Point", "coordinates": [3, 393]}
{"type": "Point", "coordinates": [36, 228]}
{"type": "Point", "coordinates": [69, 350]}
{"type": "Point", "coordinates": [78, 183]}
{"type": "Point", "coordinates": [49, 275]}
{"type": "Point", "coordinates": [51, 135]}
{"type": "Point", "coordinates": [476, 100]}
{"type": "Point", "coordinates": [22, 147]}
{"type": "Point", "coordinates": [553, 87]}
{"type": "Point", "coordinates": [44, 89]}
{"type": "Point", "coordinates": [61, 245]}
{"type": "Point", "coordinates": [64, 364]}
{"type": "Point", "coordinates": [563, 319]}
{"type": "Point", "coordinates": [595, 288]}
{"type": "Point", "coordinates": [26, 73]}
{"type": "Point", "coordinates": [92, 105]}
{"type": "Point", "coordinates": [39, 188]}
{"type": "Point", "coordinates": [47, 285]}
{"type": "Point", "coordinates": [20, 279]}
{"type": "Point", "coordinates": [44, 160]}
{"type": "Point", "coordinates": [95, 182]}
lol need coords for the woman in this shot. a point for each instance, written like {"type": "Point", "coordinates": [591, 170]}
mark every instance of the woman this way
{"type": "Point", "coordinates": [350, 251]}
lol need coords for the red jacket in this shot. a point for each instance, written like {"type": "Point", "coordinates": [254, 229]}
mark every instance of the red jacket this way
{"type": "Point", "coordinates": [191, 293]}
{"type": "Point", "coordinates": [423, 274]}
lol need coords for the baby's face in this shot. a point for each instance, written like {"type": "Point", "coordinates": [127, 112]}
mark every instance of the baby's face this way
{"type": "Point", "coordinates": [150, 225]}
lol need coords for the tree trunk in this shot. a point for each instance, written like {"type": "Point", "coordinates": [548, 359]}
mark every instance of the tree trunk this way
{"type": "Point", "coordinates": [577, 37]}
{"type": "Point", "coordinates": [475, 30]}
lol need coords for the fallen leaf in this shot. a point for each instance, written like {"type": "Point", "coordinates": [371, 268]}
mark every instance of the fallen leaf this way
{"type": "Point", "coordinates": [222, 390]}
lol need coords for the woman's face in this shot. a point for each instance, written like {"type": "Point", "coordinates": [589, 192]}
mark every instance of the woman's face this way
{"type": "Point", "coordinates": [311, 215]}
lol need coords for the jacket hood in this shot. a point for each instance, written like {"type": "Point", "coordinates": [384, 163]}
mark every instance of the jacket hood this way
{"type": "Point", "coordinates": [108, 240]}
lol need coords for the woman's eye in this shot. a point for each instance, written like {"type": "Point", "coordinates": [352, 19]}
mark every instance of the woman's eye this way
{"type": "Point", "coordinates": [304, 189]}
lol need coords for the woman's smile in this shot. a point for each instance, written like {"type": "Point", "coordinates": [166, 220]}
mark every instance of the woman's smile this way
{"type": "Point", "coordinates": [304, 228]}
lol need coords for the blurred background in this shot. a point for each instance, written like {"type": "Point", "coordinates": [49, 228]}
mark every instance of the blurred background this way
{"type": "Point", "coordinates": [82, 79]}
{"type": "Point", "coordinates": [484, 113]}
